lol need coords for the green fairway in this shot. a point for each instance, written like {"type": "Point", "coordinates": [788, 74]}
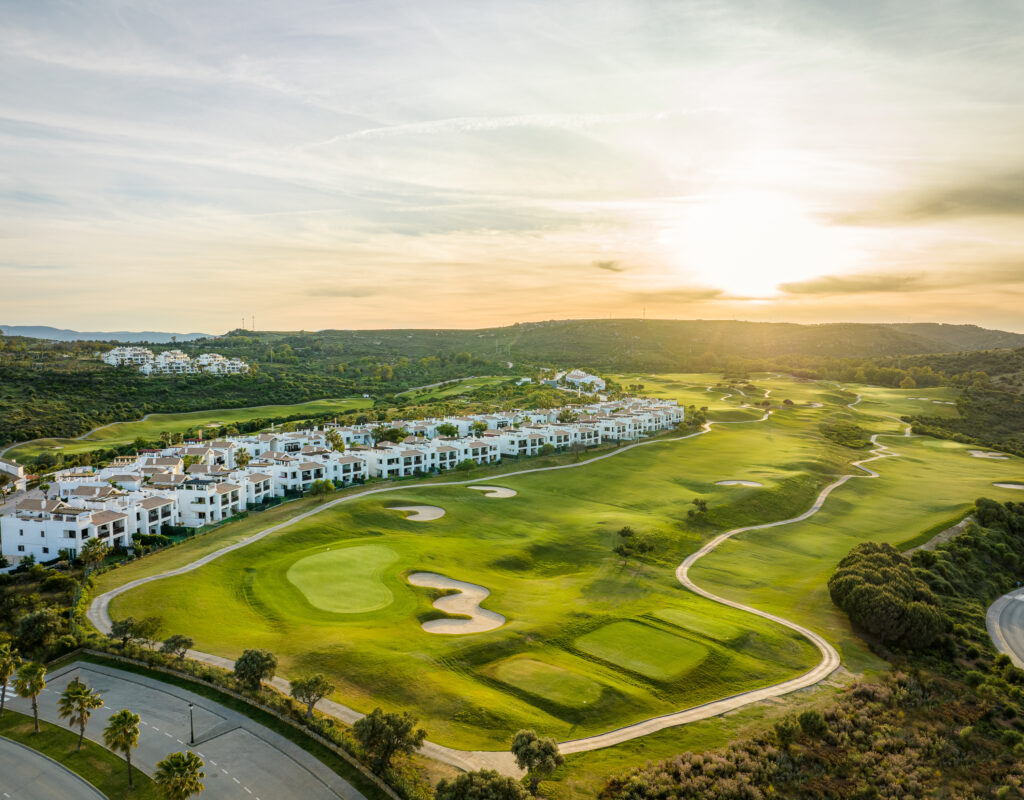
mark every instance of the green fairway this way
{"type": "Point", "coordinates": [590, 643]}
{"type": "Point", "coordinates": [641, 648]}
{"type": "Point", "coordinates": [120, 433]}
{"type": "Point", "coordinates": [345, 580]}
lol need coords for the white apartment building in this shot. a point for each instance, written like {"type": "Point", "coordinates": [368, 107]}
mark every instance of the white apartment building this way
{"type": "Point", "coordinates": [151, 490]}
{"type": "Point", "coordinates": [42, 528]}
{"type": "Point", "coordinates": [17, 473]}
{"type": "Point", "coordinates": [128, 357]}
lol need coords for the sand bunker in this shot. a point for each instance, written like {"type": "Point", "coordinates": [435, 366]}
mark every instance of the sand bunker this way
{"type": "Point", "coordinates": [1009, 485]}
{"type": "Point", "coordinates": [987, 454]}
{"type": "Point", "coordinates": [495, 491]}
{"type": "Point", "coordinates": [815, 405]}
{"type": "Point", "coordinates": [944, 402]}
{"type": "Point", "coordinates": [738, 483]}
{"type": "Point", "coordinates": [466, 602]}
{"type": "Point", "coordinates": [420, 513]}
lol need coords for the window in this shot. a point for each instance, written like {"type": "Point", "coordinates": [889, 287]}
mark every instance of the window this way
{"type": "Point", "coordinates": [21, 548]}
{"type": "Point", "coordinates": [46, 550]}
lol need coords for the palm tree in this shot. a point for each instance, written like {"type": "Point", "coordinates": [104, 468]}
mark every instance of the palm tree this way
{"type": "Point", "coordinates": [76, 705]}
{"type": "Point", "coordinates": [122, 735]}
{"type": "Point", "coordinates": [179, 775]}
{"type": "Point", "coordinates": [30, 682]}
{"type": "Point", "coordinates": [9, 662]}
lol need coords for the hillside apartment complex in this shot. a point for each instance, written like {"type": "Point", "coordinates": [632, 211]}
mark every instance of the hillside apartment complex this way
{"type": "Point", "coordinates": [203, 483]}
{"type": "Point", "coordinates": [173, 362]}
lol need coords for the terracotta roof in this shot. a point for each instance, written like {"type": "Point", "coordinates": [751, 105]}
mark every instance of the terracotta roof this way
{"type": "Point", "coordinates": [259, 476]}
{"type": "Point", "coordinates": [224, 488]}
{"type": "Point", "coordinates": [155, 502]}
{"type": "Point", "coordinates": [102, 517]}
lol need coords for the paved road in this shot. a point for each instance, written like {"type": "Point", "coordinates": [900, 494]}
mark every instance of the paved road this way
{"type": "Point", "coordinates": [28, 775]}
{"type": "Point", "coordinates": [1005, 623]}
{"type": "Point", "coordinates": [244, 760]}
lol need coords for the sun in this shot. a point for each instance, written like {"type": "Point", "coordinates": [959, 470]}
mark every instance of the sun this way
{"type": "Point", "coordinates": [748, 243]}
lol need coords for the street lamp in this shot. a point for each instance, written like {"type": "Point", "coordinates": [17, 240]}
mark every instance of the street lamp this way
{"type": "Point", "coordinates": [191, 726]}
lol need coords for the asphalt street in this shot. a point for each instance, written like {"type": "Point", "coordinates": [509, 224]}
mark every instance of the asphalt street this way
{"type": "Point", "coordinates": [243, 760]}
{"type": "Point", "coordinates": [28, 775]}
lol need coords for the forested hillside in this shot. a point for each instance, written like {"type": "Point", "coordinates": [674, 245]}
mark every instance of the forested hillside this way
{"type": "Point", "coordinates": [629, 344]}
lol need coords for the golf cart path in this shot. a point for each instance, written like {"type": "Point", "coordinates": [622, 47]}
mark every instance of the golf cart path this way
{"type": "Point", "coordinates": [99, 611]}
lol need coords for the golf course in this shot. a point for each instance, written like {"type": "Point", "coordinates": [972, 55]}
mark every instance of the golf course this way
{"type": "Point", "coordinates": [149, 428]}
{"type": "Point", "coordinates": [587, 641]}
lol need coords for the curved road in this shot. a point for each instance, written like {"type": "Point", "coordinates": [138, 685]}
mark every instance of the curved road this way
{"type": "Point", "coordinates": [1005, 623]}
{"type": "Point", "coordinates": [99, 613]}
{"type": "Point", "coordinates": [26, 774]}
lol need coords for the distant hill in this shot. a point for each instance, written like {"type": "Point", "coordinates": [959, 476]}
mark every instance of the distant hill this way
{"type": "Point", "coordinates": [626, 344]}
{"type": "Point", "coordinates": [65, 335]}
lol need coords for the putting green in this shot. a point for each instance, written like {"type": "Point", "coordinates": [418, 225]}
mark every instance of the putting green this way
{"type": "Point", "coordinates": [556, 684]}
{"type": "Point", "coordinates": [641, 648]}
{"type": "Point", "coordinates": [346, 580]}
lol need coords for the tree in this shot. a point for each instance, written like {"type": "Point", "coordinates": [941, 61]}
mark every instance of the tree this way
{"type": "Point", "coordinates": [908, 383]}
{"type": "Point", "coordinates": [335, 440]}
{"type": "Point", "coordinates": [30, 681]}
{"type": "Point", "coordinates": [699, 510]}
{"type": "Point", "coordinates": [465, 465]}
{"type": "Point", "coordinates": [483, 785]}
{"type": "Point", "coordinates": [447, 429]}
{"type": "Point", "coordinates": [546, 449]}
{"type": "Point", "coordinates": [176, 645]}
{"type": "Point", "coordinates": [93, 552]}
{"type": "Point", "coordinates": [382, 736]}
{"type": "Point", "coordinates": [179, 776]}
{"type": "Point", "coordinates": [813, 724]}
{"type": "Point", "coordinates": [37, 631]}
{"type": "Point", "coordinates": [321, 488]}
{"type": "Point", "coordinates": [44, 488]}
{"type": "Point", "coordinates": [242, 457]}
{"type": "Point", "coordinates": [311, 690]}
{"type": "Point", "coordinates": [539, 757]}
{"type": "Point", "coordinates": [130, 629]}
{"type": "Point", "coordinates": [577, 449]}
{"type": "Point", "coordinates": [122, 735]}
{"type": "Point", "coordinates": [5, 479]}
{"type": "Point", "coordinates": [786, 731]}
{"type": "Point", "coordinates": [479, 428]}
{"type": "Point", "coordinates": [253, 666]}
{"type": "Point", "coordinates": [9, 662]}
{"type": "Point", "coordinates": [76, 704]}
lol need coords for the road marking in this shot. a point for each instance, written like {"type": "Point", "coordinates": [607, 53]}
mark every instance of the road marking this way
{"type": "Point", "coordinates": [155, 728]}
{"type": "Point", "coordinates": [200, 754]}
{"type": "Point", "coordinates": [169, 735]}
{"type": "Point", "coordinates": [179, 741]}
{"type": "Point", "coordinates": [211, 761]}
{"type": "Point", "coordinates": [247, 789]}
{"type": "Point", "coordinates": [236, 781]}
{"type": "Point", "coordinates": [224, 771]}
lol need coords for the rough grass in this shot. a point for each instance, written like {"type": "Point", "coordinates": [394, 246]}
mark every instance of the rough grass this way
{"type": "Point", "coordinates": [95, 764]}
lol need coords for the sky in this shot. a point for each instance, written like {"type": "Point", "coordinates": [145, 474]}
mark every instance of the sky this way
{"type": "Point", "coordinates": [469, 163]}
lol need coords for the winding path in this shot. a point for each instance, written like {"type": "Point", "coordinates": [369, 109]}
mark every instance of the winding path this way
{"type": "Point", "coordinates": [99, 613]}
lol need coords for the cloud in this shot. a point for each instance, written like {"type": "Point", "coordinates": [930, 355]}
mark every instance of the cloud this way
{"type": "Point", "coordinates": [342, 291]}
{"type": "Point", "coordinates": [1000, 195]}
{"type": "Point", "coordinates": [681, 295]}
{"type": "Point", "coordinates": [610, 266]}
{"type": "Point", "coordinates": [1001, 272]}
{"type": "Point", "coordinates": [855, 284]}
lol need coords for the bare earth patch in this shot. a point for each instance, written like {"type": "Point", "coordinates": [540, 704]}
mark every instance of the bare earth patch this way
{"type": "Point", "coordinates": [420, 513]}
{"type": "Point", "coordinates": [466, 602]}
{"type": "Point", "coordinates": [738, 483]}
{"type": "Point", "coordinates": [1009, 485]}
